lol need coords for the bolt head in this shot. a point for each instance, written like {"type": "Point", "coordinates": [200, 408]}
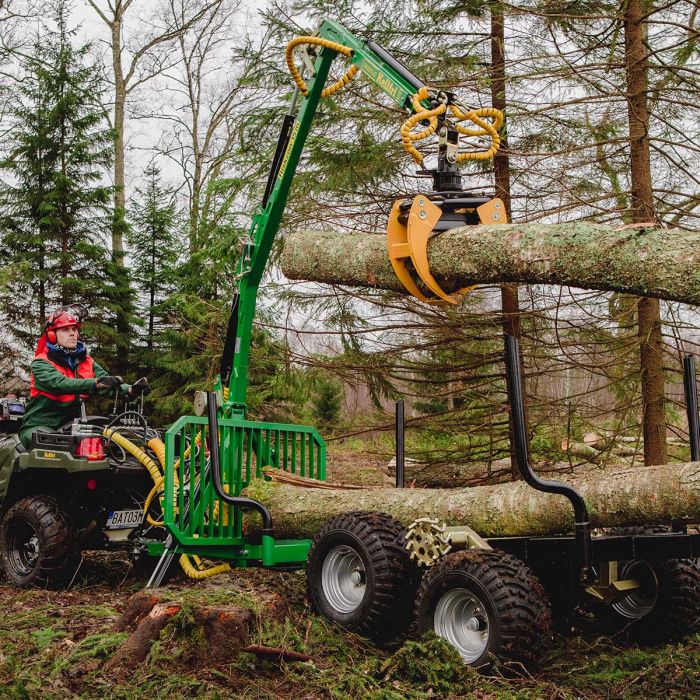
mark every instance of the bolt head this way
{"type": "Point", "coordinates": [423, 215]}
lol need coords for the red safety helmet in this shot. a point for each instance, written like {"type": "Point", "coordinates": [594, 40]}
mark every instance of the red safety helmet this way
{"type": "Point", "coordinates": [62, 317]}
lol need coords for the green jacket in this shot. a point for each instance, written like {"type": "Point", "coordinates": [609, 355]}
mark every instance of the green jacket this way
{"type": "Point", "coordinates": [44, 412]}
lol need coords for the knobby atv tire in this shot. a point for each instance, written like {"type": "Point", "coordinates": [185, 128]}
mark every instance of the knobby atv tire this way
{"type": "Point", "coordinates": [514, 600]}
{"type": "Point", "coordinates": [51, 556]}
{"type": "Point", "coordinates": [676, 611]}
{"type": "Point", "coordinates": [390, 577]}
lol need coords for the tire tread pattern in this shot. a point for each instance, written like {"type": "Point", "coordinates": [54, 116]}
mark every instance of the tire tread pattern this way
{"type": "Point", "coordinates": [520, 600]}
{"type": "Point", "coordinates": [395, 575]}
{"type": "Point", "coordinates": [57, 539]}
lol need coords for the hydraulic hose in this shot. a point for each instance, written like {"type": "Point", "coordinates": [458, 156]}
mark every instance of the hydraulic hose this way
{"type": "Point", "coordinates": [198, 572]}
{"type": "Point", "coordinates": [237, 501]}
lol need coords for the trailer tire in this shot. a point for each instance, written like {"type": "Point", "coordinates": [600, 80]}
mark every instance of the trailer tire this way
{"type": "Point", "coordinates": [675, 609]}
{"type": "Point", "coordinates": [359, 574]}
{"type": "Point", "coordinates": [485, 603]}
{"type": "Point", "coordinates": [38, 546]}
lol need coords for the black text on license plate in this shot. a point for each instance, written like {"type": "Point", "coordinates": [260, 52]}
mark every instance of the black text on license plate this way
{"type": "Point", "coordinates": [122, 519]}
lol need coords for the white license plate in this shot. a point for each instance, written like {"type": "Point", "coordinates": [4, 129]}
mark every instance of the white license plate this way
{"type": "Point", "coordinates": [123, 519]}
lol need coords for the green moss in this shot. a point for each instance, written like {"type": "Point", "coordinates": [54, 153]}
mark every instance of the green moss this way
{"type": "Point", "coordinates": [432, 664]}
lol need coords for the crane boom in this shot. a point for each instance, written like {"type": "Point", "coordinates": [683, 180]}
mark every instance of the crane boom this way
{"type": "Point", "coordinates": [390, 76]}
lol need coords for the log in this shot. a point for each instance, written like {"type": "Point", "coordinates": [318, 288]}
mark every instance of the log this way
{"type": "Point", "coordinates": [637, 496]}
{"type": "Point", "coordinates": [651, 262]}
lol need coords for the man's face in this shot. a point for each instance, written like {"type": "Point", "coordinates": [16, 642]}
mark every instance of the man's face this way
{"type": "Point", "coordinates": [67, 337]}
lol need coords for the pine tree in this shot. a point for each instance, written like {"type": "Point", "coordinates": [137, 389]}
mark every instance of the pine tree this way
{"type": "Point", "coordinates": [54, 205]}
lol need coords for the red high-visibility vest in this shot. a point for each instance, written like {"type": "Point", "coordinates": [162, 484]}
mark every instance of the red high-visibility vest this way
{"type": "Point", "coordinates": [84, 370]}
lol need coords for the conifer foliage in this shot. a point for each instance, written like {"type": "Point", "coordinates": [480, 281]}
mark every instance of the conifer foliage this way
{"type": "Point", "coordinates": [152, 243]}
{"type": "Point", "coordinates": [54, 200]}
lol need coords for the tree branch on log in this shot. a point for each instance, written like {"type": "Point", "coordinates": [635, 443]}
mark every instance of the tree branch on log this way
{"type": "Point", "coordinates": [651, 262]}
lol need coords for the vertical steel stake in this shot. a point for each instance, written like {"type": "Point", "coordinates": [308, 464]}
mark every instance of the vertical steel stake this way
{"type": "Point", "coordinates": [691, 406]}
{"type": "Point", "coordinates": [400, 425]}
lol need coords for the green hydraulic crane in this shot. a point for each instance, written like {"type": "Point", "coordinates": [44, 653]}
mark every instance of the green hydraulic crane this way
{"type": "Point", "coordinates": [202, 505]}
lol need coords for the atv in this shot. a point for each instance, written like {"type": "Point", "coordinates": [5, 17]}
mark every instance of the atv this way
{"type": "Point", "coordinates": [76, 489]}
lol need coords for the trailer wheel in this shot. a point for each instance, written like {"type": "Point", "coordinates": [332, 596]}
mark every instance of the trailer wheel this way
{"type": "Point", "coordinates": [485, 602]}
{"type": "Point", "coordinates": [37, 543]}
{"type": "Point", "coordinates": [667, 606]}
{"type": "Point", "coordinates": [359, 574]}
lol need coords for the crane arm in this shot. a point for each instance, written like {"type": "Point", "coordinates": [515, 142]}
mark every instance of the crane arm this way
{"type": "Point", "coordinates": [390, 76]}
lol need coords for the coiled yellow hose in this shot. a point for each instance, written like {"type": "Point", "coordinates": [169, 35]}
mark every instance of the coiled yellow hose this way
{"type": "Point", "coordinates": [476, 116]}
{"type": "Point", "coordinates": [326, 44]}
{"type": "Point", "coordinates": [197, 572]}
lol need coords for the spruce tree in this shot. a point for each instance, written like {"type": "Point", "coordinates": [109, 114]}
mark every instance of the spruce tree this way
{"type": "Point", "coordinates": [152, 243]}
{"type": "Point", "coordinates": [54, 204]}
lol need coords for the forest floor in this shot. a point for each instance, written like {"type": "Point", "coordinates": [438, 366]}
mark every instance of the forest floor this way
{"type": "Point", "coordinates": [58, 644]}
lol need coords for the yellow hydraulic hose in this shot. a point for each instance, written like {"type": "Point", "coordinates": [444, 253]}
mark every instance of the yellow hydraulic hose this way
{"type": "Point", "coordinates": [476, 116]}
{"type": "Point", "coordinates": [420, 115]}
{"type": "Point", "coordinates": [326, 44]}
{"type": "Point", "coordinates": [157, 446]}
{"type": "Point", "coordinates": [197, 572]}
{"type": "Point", "coordinates": [135, 451]}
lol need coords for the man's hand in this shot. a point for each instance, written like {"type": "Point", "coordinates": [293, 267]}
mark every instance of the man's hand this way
{"type": "Point", "coordinates": [108, 382]}
{"type": "Point", "coordinates": [139, 387]}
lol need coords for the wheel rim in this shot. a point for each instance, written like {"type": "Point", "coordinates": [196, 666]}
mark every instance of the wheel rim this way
{"type": "Point", "coordinates": [343, 579]}
{"type": "Point", "coordinates": [460, 619]}
{"type": "Point", "coordinates": [22, 547]}
{"type": "Point", "coordinates": [639, 602]}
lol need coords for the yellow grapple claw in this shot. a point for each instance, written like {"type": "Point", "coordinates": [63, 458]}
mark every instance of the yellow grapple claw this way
{"type": "Point", "coordinates": [410, 242]}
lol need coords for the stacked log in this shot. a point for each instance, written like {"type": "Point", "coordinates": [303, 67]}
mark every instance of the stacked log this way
{"type": "Point", "coordinates": [619, 496]}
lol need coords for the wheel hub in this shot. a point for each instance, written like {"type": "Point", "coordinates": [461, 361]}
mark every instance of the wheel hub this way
{"type": "Point", "coordinates": [23, 547]}
{"type": "Point", "coordinates": [460, 619]}
{"type": "Point", "coordinates": [343, 579]}
{"type": "Point", "coordinates": [31, 549]}
{"type": "Point", "coordinates": [641, 601]}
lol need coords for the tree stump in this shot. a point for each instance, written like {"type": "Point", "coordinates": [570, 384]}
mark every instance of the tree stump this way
{"type": "Point", "coordinates": [216, 634]}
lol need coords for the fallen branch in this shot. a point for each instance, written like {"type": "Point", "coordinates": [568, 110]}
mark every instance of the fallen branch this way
{"type": "Point", "coordinates": [278, 653]}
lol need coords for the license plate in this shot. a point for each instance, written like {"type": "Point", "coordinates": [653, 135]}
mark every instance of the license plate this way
{"type": "Point", "coordinates": [123, 519]}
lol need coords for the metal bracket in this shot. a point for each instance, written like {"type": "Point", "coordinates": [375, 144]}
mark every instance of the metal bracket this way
{"type": "Point", "coordinates": [609, 588]}
{"type": "Point", "coordinates": [307, 59]}
{"type": "Point", "coordinates": [493, 212]}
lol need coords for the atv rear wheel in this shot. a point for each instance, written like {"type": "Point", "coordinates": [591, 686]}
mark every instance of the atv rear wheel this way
{"type": "Point", "coordinates": [37, 543]}
{"type": "Point", "coordinates": [360, 576]}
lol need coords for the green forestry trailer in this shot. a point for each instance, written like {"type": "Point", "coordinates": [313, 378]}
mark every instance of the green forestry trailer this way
{"type": "Point", "coordinates": [485, 596]}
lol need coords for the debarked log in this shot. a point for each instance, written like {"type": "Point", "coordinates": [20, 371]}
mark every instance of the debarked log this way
{"type": "Point", "coordinates": [652, 262]}
{"type": "Point", "coordinates": [637, 496]}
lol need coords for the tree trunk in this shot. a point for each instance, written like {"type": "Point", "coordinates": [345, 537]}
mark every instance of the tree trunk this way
{"type": "Point", "coordinates": [119, 106]}
{"type": "Point", "coordinates": [645, 495]}
{"type": "Point", "coordinates": [642, 200]}
{"type": "Point", "coordinates": [650, 262]}
{"type": "Point", "coordinates": [501, 169]}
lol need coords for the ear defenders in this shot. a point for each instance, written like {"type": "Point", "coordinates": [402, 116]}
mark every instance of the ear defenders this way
{"type": "Point", "coordinates": [52, 338]}
{"type": "Point", "coordinates": [64, 317]}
